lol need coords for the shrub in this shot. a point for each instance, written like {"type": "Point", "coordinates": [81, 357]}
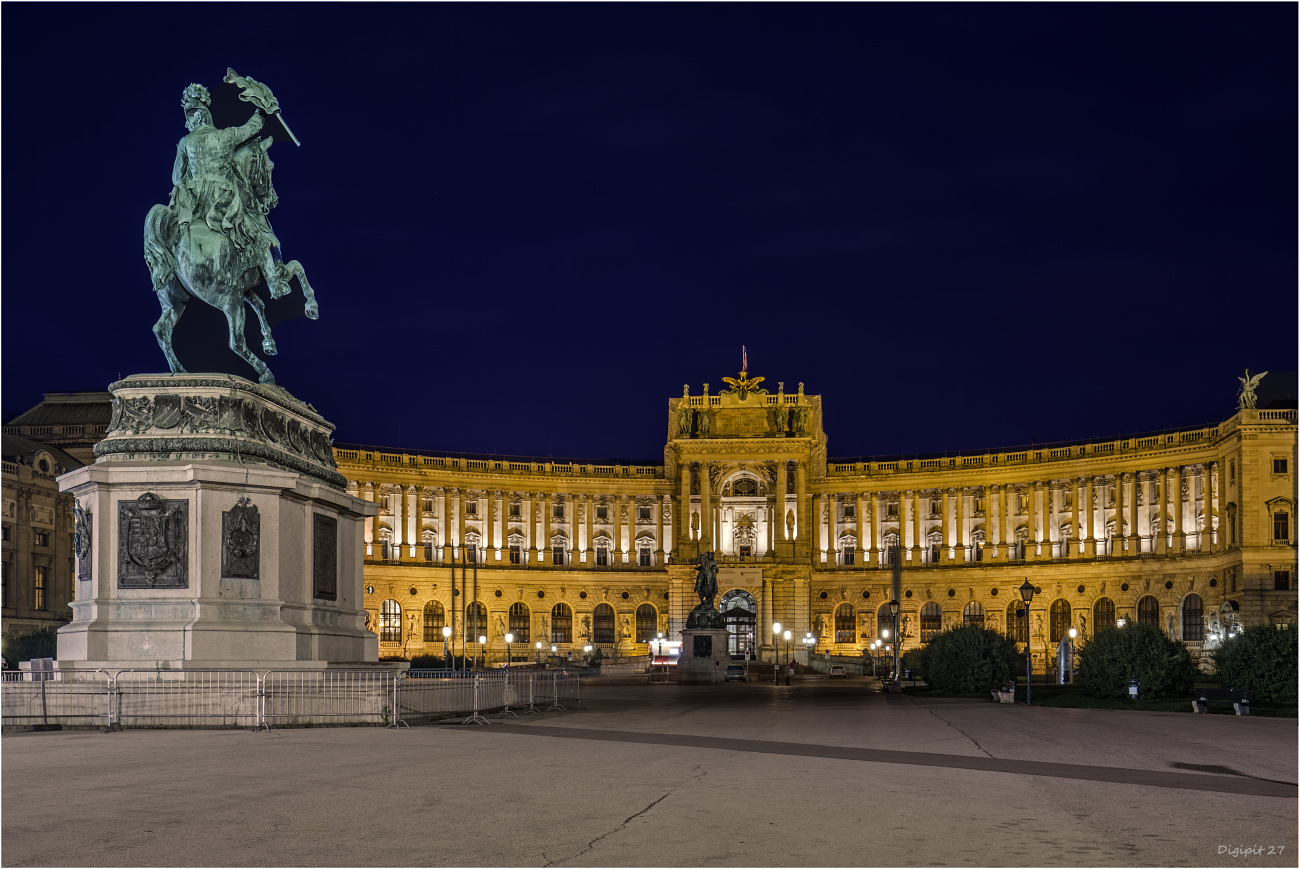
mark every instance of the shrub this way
{"type": "Point", "coordinates": [970, 659]}
{"type": "Point", "coordinates": [916, 660]}
{"type": "Point", "coordinates": [42, 643]}
{"type": "Point", "coordinates": [1261, 659]}
{"type": "Point", "coordinates": [1105, 664]}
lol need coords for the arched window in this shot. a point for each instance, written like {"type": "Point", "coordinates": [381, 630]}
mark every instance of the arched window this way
{"type": "Point", "coordinates": [746, 486]}
{"type": "Point", "coordinates": [1149, 611]}
{"type": "Point", "coordinates": [1017, 622]}
{"type": "Point", "coordinates": [1103, 614]}
{"type": "Point", "coordinates": [561, 624]}
{"type": "Point", "coordinates": [884, 622]}
{"type": "Point", "coordinates": [931, 621]}
{"type": "Point", "coordinates": [602, 625]}
{"type": "Point", "coordinates": [845, 622]}
{"type": "Point", "coordinates": [1193, 627]}
{"type": "Point", "coordinates": [475, 622]}
{"type": "Point", "coordinates": [740, 614]}
{"type": "Point", "coordinates": [519, 622]}
{"type": "Point", "coordinates": [434, 618]}
{"type": "Point", "coordinates": [973, 614]}
{"type": "Point", "coordinates": [1060, 620]}
{"type": "Point", "coordinates": [390, 622]}
{"type": "Point", "coordinates": [647, 623]}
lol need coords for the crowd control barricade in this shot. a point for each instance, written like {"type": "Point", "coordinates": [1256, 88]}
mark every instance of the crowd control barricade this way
{"type": "Point", "coordinates": [567, 689]}
{"type": "Point", "coordinates": [186, 698]}
{"type": "Point", "coordinates": [330, 697]}
{"type": "Point", "coordinates": [72, 697]}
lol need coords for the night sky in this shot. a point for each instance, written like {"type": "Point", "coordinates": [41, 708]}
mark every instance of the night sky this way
{"type": "Point", "coordinates": [527, 226]}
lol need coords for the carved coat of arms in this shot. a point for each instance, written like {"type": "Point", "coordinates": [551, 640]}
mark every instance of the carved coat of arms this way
{"type": "Point", "coordinates": [152, 545]}
{"type": "Point", "coordinates": [241, 533]}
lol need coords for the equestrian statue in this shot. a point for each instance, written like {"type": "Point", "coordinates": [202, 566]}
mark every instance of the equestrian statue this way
{"type": "Point", "coordinates": [213, 239]}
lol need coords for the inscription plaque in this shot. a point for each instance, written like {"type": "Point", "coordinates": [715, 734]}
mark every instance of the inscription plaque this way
{"type": "Point", "coordinates": [152, 543]}
{"type": "Point", "coordinates": [704, 646]}
{"type": "Point", "coordinates": [324, 570]}
{"type": "Point", "coordinates": [241, 538]}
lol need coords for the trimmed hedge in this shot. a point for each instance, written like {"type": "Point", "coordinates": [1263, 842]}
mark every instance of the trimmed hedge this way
{"type": "Point", "coordinates": [1104, 665]}
{"type": "Point", "coordinates": [1262, 659]}
{"type": "Point", "coordinates": [970, 659]}
{"type": "Point", "coordinates": [41, 643]}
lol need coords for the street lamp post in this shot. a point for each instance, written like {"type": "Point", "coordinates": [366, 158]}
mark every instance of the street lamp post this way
{"type": "Point", "coordinates": [482, 647]}
{"type": "Point", "coordinates": [539, 651]}
{"type": "Point", "coordinates": [776, 652]}
{"type": "Point", "coordinates": [446, 635]}
{"type": "Point", "coordinates": [893, 615]}
{"type": "Point", "coordinates": [786, 637]}
{"type": "Point", "coordinates": [510, 638]}
{"type": "Point", "coordinates": [1027, 595]}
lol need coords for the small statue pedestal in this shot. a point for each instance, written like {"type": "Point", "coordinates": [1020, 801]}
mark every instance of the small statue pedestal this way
{"type": "Point", "coordinates": [214, 531]}
{"type": "Point", "coordinates": [704, 656]}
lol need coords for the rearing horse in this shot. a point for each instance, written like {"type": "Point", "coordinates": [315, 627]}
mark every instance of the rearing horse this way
{"type": "Point", "coordinates": [224, 246]}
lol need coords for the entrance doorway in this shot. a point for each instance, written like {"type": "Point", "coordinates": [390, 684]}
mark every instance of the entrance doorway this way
{"type": "Point", "coordinates": [740, 614]}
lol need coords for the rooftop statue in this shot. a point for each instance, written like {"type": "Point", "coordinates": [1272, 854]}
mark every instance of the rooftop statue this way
{"type": "Point", "coordinates": [213, 239]}
{"type": "Point", "coordinates": [1246, 395]}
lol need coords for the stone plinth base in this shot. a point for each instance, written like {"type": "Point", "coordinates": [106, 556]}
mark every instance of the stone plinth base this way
{"type": "Point", "coordinates": [214, 532]}
{"type": "Point", "coordinates": [704, 655]}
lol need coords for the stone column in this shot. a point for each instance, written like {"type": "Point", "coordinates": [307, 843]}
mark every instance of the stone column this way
{"type": "Point", "coordinates": [659, 531]}
{"type": "Point", "coordinates": [532, 528]}
{"type": "Point", "coordinates": [803, 527]}
{"type": "Point", "coordinates": [902, 525]}
{"type": "Point", "coordinates": [683, 525]}
{"type": "Point", "coordinates": [992, 522]}
{"type": "Point", "coordinates": [546, 527]}
{"type": "Point", "coordinates": [781, 486]}
{"type": "Point", "coordinates": [916, 526]}
{"type": "Point", "coordinates": [616, 543]}
{"type": "Point", "coordinates": [963, 525]}
{"type": "Point", "coordinates": [445, 523]}
{"type": "Point", "coordinates": [460, 523]}
{"type": "Point", "coordinates": [366, 491]}
{"type": "Point", "coordinates": [828, 509]}
{"type": "Point", "coordinates": [1162, 539]}
{"type": "Point", "coordinates": [945, 550]}
{"type": "Point", "coordinates": [589, 510]}
{"type": "Point", "coordinates": [877, 507]}
{"type": "Point", "coordinates": [1180, 536]}
{"type": "Point", "coordinates": [860, 556]}
{"type": "Point", "coordinates": [1136, 513]}
{"type": "Point", "coordinates": [1031, 508]}
{"type": "Point", "coordinates": [1211, 540]}
{"type": "Point", "coordinates": [1119, 541]}
{"type": "Point", "coordinates": [706, 509]}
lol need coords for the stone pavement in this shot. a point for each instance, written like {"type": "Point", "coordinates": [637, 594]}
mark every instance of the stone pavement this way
{"type": "Point", "coordinates": [817, 774]}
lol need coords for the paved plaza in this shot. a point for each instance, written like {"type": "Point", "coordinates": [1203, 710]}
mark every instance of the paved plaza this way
{"type": "Point", "coordinates": [817, 774]}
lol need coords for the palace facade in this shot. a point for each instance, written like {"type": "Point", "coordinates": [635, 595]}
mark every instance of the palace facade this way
{"type": "Point", "coordinates": [1191, 530]}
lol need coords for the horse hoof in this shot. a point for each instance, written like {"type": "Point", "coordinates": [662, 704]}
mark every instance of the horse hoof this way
{"type": "Point", "coordinates": [268, 347]}
{"type": "Point", "coordinates": [313, 312]}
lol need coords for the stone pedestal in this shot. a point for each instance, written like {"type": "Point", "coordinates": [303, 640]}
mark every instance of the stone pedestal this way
{"type": "Point", "coordinates": [704, 655]}
{"type": "Point", "coordinates": [217, 534]}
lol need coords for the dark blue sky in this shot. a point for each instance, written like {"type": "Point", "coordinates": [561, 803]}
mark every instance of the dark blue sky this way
{"type": "Point", "coordinates": [528, 226]}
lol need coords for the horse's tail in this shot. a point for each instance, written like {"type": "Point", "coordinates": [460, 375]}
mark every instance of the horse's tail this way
{"type": "Point", "coordinates": [160, 231]}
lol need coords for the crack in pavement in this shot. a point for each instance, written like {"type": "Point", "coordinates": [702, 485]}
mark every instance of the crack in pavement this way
{"type": "Point", "coordinates": [959, 730]}
{"type": "Point", "coordinates": [627, 821]}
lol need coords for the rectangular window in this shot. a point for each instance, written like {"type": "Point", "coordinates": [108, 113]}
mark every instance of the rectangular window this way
{"type": "Point", "coordinates": [1232, 471]}
{"type": "Point", "coordinates": [1281, 580]}
{"type": "Point", "coordinates": [557, 555]}
{"type": "Point", "coordinates": [557, 511]}
{"type": "Point", "coordinates": [471, 508]}
{"type": "Point", "coordinates": [471, 553]}
{"type": "Point", "coordinates": [1281, 526]}
{"type": "Point", "coordinates": [427, 505]}
{"type": "Point", "coordinates": [1279, 466]}
{"type": "Point", "coordinates": [647, 560]}
{"type": "Point", "coordinates": [428, 552]}
{"type": "Point", "coordinates": [850, 511]}
{"type": "Point", "coordinates": [515, 511]}
{"type": "Point", "coordinates": [643, 514]}
{"type": "Point", "coordinates": [849, 556]}
{"type": "Point", "coordinates": [515, 554]}
{"type": "Point", "coordinates": [892, 509]}
{"type": "Point", "coordinates": [6, 575]}
{"type": "Point", "coordinates": [42, 538]}
{"type": "Point", "coordinates": [7, 533]}
{"type": "Point", "coordinates": [602, 555]}
{"type": "Point", "coordinates": [42, 577]}
{"type": "Point", "coordinates": [746, 550]}
{"type": "Point", "coordinates": [602, 513]}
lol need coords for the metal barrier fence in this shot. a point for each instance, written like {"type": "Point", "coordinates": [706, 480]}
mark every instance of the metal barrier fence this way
{"type": "Point", "coordinates": [226, 698]}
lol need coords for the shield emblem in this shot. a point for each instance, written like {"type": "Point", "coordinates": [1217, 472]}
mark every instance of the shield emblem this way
{"type": "Point", "coordinates": [166, 411]}
{"type": "Point", "coordinates": [152, 543]}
